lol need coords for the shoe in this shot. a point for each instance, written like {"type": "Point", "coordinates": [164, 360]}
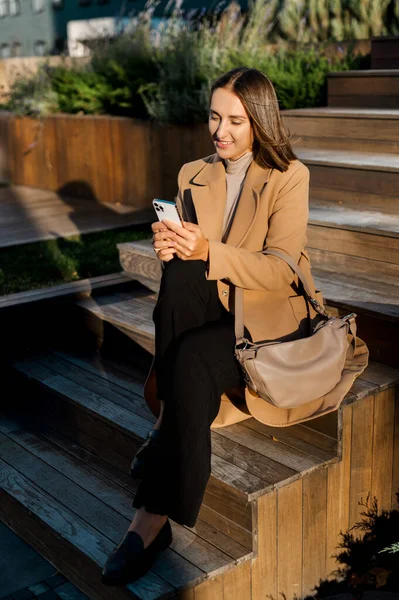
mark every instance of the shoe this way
{"type": "Point", "coordinates": [143, 454]}
{"type": "Point", "coordinates": [130, 560]}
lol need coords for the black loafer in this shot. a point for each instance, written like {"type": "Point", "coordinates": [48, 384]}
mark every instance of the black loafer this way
{"type": "Point", "coordinates": [143, 454]}
{"type": "Point", "coordinates": [130, 560]}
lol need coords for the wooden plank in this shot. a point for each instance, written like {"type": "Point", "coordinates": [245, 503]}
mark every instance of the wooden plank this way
{"type": "Point", "coordinates": [338, 490]}
{"type": "Point", "coordinates": [314, 529]}
{"type": "Point", "coordinates": [289, 536]}
{"type": "Point", "coordinates": [267, 470]}
{"type": "Point", "coordinates": [230, 528]}
{"type": "Point", "coordinates": [365, 270]}
{"type": "Point", "coordinates": [353, 180]}
{"type": "Point", "coordinates": [239, 479]}
{"type": "Point", "coordinates": [237, 582]}
{"type": "Point", "coordinates": [78, 418]}
{"type": "Point", "coordinates": [361, 458]}
{"type": "Point", "coordinates": [364, 198]}
{"type": "Point", "coordinates": [279, 452]}
{"type": "Point", "coordinates": [364, 221]}
{"type": "Point", "coordinates": [264, 565]}
{"type": "Point", "coordinates": [300, 437]}
{"type": "Point", "coordinates": [363, 86]}
{"type": "Point", "coordinates": [228, 502]}
{"type": "Point", "coordinates": [132, 401]}
{"type": "Point", "coordinates": [355, 243]}
{"type": "Point", "coordinates": [383, 437]}
{"type": "Point", "coordinates": [89, 401]}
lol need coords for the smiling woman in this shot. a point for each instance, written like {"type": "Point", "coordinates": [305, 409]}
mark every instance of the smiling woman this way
{"type": "Point", "coordinates": [251, 194]}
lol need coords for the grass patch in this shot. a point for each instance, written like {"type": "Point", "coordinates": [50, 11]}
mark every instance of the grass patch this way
{"type": "Point", "coordinates": [52, 262]}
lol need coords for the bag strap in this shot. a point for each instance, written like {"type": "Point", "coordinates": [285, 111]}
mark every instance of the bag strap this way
{"type": "Point", "coordinates": [239, 298]}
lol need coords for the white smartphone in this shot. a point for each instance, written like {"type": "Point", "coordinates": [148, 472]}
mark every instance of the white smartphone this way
{"type": "Point", "coordinates": [167, 209]}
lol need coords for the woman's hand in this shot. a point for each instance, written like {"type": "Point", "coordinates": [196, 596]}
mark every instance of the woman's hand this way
{"type": "Point", "coordinates": [161, 241]}
{"type": "Point", "coordinates": [188, 242]}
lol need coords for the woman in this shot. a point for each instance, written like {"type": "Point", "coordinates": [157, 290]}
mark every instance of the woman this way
{"type": "Point", "coordinates": [252, 193]}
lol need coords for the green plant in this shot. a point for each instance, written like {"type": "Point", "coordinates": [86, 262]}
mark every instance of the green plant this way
{"type": "Point", "coordinates": [81, 90]}
{"type": "Point", "coordinates": [125, 64]}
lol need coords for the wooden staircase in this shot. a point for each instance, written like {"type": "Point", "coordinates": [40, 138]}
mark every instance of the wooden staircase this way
{"type": "Point", "coordinates": [277, 498]}
{"type": "Point", "coordinates": [67, 444]}
{"type": "Point", "coordinates": [353, 231]}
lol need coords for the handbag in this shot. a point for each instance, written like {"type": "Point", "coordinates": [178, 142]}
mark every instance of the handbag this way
{"type": "Point", "coordinates": [293, 373]}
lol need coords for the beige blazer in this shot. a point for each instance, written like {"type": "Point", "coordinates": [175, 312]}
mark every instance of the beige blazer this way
{"type": "Point", "coordinates": [272, 212]}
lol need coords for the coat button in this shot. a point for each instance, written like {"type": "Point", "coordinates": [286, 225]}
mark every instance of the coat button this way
{"type": "Point", "coordinates": [225, 292]}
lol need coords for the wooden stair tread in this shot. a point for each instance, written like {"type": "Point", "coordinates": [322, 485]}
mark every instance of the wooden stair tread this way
{"type": "Point", "coordinates": [244, 457]}
{"type": "Point", "coordinates": [359, 294]}
{"type": "Point", "coordinates": [79, 502]}
{"type": "Point", "coordinates": [343, 112]}
{"type": "Point", "coordinates": [369, 161]}
{"type": "Point", "coordinates": [366, 73]}
{"type": "Point", "coordinates": [343, 217]}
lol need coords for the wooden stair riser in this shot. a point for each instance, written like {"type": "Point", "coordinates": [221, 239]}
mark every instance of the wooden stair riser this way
{"type": "Point", "coordinates": [303, 519]}
{"type": "Point", "coordinates": [348, 144]}
{"type": "Point", "coordinates": [369, 90]}
{"type": "Point", "coordinates": [370, 246]}
{"type": "Point", "coordinates": [342, 179]}
{"type": "Point", "coordinates": [339, 262]}
{"type": "Point", "coordinates": [146, 268]}
{"type": "Point", "coordinates": [357, 200]}
{"type": "Point", "coordinates": [366, 134]}
{"type": "Point", "coordinates": [117, 446]}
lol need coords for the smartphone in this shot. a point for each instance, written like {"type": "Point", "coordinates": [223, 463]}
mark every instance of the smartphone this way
{"type": "Point", "coordinates": [167, 209]}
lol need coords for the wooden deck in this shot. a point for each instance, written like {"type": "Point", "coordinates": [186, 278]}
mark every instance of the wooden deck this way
{"type": "Point", "coordinates": [30, 214]}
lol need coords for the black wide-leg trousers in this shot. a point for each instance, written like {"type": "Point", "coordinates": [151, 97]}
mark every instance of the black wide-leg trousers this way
{"type": "Point", "coordinates": [194, 364]}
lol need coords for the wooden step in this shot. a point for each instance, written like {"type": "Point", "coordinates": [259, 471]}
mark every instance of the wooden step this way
{"type": "Point", "coordinates": [100, 406]}
{"type": "Point", "coordinates": [349, 282]}
{"type": "Point", "coordinates": [73, 507]}
{"type": "Point", "coordinates": [358, 179]}
{"type": "Point", "coordinates": [372, 88]}
{"type": "Point", "coordinates": [137, 260]}
{"type": "Point", "coordinates": [71, 501]}
{"type": "Point", "coordinates": [367, 234]}
{"type": "Point", "coordinates": [337, 128]}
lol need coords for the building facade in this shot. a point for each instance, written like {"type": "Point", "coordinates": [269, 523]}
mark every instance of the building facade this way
{"type": "Point", "coordinates": [40, 27]}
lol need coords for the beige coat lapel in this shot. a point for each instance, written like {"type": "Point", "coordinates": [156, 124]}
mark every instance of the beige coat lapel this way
{"type": "Point", "coordinates": [208, 188]}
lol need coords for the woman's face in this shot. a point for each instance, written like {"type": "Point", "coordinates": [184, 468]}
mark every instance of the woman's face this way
{"type": "Point", "coordinates": [229, 122]}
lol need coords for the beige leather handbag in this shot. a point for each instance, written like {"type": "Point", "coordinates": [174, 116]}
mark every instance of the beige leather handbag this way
{"type": "Point", "coordinates": [293, 373]}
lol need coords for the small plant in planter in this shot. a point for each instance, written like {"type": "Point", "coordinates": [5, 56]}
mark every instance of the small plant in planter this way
{"type": "Point", "coordinates": [369, 563]}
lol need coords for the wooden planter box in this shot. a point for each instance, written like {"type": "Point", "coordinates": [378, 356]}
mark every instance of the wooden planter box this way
{"type": "Point", "coordinates": [107, 159]}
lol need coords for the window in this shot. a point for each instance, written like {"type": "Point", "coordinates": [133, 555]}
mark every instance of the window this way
{"type": "Point", "coordinates": [3, 8]}
{"type": "Point", "coordinates": [16, 49]}
{"type": "Point", "coordinates": [58, 3]}
{"type": "Point", "coordinates": [15, 8]}
{"type": "Point", "coordinates": [40, 48]}
{"type": "Point", "coordinates": [5, 51]}
{"type": "Point", "coordinates": [38, 6]}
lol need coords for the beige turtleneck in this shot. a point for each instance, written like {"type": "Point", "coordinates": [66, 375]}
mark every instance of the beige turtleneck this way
{"type": "Point", "coordinates": [235, 174]}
